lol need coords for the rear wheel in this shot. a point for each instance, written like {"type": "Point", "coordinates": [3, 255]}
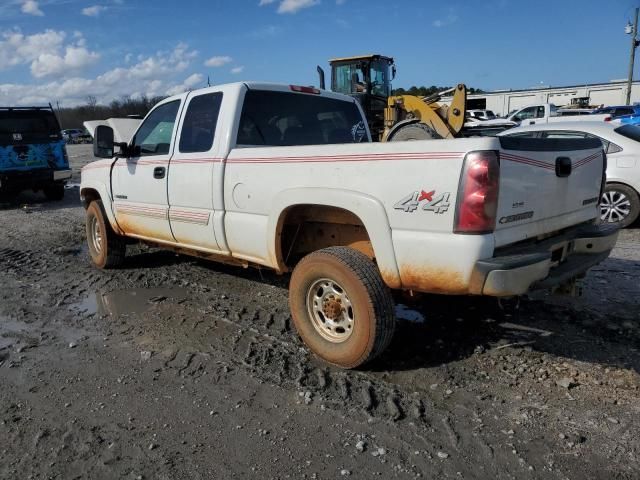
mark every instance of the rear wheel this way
{"type": "Point", "coordinates": [341, 307]}
{"type": "Point", "coordinates": [106, 248]}
{"type": "Point", "coordinates": [414, 131]}
{"type": "Point", "coordinates": [54, 191]}
{"type": "Point", "coordinates": [619, 205]}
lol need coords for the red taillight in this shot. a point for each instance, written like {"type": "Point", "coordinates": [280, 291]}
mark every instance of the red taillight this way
{"type": "Point", "coordinates": [607, 119]}
{"type": "Point", "coordinates": [477, 201]}
{"type": "Point", "coordinates": [298, 88]}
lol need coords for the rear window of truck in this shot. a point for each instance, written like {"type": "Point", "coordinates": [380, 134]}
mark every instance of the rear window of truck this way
{"type": "Point", "coordinates": [284, 119]}
{"type": "Point", "coordinates": [28, 121]}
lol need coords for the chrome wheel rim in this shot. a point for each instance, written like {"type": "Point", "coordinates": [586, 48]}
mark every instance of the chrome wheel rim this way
{"type": "Point", "coordinates": [615, 206]}
{"type": "Point", "coordinates": [330, 310]}
{"type": "Point", "coordinates": [95, 234]}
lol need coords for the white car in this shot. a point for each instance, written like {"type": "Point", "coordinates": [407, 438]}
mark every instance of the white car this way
{"type": "Point", "coordinates": [621, 201]}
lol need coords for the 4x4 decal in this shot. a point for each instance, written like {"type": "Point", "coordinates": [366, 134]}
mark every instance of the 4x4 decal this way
{"type": "Point", "coordinates": [434, 203]}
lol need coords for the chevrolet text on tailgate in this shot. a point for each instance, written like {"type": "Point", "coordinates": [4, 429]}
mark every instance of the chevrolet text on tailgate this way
{"type": "Point", "coordinates": [286, 177]}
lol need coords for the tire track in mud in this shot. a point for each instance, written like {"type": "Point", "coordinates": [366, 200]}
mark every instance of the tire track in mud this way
{"type": "Point", "coordinates": [234, 321]}
{"type": "Point", "coordinates": [263, 343]}
{"type": "Point", "coordinates": [16, 261]}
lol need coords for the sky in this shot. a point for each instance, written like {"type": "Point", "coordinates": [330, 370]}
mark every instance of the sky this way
{"type": "Point", "coordinates": [67, 50]}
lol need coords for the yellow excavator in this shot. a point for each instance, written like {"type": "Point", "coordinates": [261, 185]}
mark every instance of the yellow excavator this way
{"type": "Point", "coordinates": [395, 117]}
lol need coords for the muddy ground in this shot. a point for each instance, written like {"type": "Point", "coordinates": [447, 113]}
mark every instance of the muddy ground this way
{"type": "Point", "coordinates": [174, 368]}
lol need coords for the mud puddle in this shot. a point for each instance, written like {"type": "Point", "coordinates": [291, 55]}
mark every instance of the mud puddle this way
{"type": "Point", "coordinates": [128, 302]}
{"type": "Point", "coordinates": [406, 313]}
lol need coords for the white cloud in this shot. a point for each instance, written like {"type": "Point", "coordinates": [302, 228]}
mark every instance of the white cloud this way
{"type": "Point", "coordinates": [193, 80]}
{"type": "Point", "coordinates": [93, 11]}
{"type": "Point", "coordinates": [73, 60]}
{"type": "Point", "coordinates": [265, 2]}
{"type": "Point", "coordinates": [18, 49]}
{"type": "Point", "coordinates": [218, 61]}
{"type": "Point", "coordinates": [293, 6]}
{"type": "Point", "coordinates": [154, 75]}
{"type": "Point", "coordinates": [189, 83]}
{"type": "Point", "coordinates": [238, 69]}
{"type": "Point", "coordinates": [449, 19]}
{"type": "Point", "coordinates": [45, 52]}
{"type": "Point", "coordinates": [31, 7]}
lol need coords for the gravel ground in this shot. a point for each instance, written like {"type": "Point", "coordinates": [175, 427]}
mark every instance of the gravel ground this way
{"type": "Point", "coordinates": [174, 368]}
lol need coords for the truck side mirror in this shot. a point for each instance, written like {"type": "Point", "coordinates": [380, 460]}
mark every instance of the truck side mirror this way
{"type": "Point", "coordinates": [103, 142]}
{"type": "Point", "coordinates": [393, 72]}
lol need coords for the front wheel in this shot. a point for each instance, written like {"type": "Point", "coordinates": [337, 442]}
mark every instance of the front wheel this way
{"type": "Point", "coordinates": [619, 205]}
{"type": "Point", "coordinates": [106, 248]}
{"type": "Point", "coordinates": [341, 307]}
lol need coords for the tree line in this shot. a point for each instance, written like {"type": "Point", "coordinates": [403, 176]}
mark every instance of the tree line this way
{"type": "Point", "coordinates": [73, 117]}
{"type": "Point", "coordinates": [427, 91]}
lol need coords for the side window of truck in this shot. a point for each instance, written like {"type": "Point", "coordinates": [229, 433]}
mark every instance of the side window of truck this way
{"type": "Point", "coordinates": [529, 112]}
{"type": "Point", "coordinates": [154, 135]}
{"type": "Point", "coordinates": [273, 118]}
{"type": "Point", "coordinates": [199, 126]}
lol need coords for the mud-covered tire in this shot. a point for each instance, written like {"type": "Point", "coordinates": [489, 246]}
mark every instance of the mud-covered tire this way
{"type": "Point", "coordinates": [106, 248]}
{"type": "Point", "coordinates": [371, 310]}
{"type": "Point", "coordinates": [414, 131]}
{"type": "Point", "coordinates": [619, 205]}
{"type": "Point", "coordinates": [54, 192]}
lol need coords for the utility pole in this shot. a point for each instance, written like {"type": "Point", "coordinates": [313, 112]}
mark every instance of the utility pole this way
{"type": "Point", "coordinates": [634, 44]}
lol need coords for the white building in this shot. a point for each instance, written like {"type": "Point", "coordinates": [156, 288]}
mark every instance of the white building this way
{"type": "Point", "coordinates": [502, 102]}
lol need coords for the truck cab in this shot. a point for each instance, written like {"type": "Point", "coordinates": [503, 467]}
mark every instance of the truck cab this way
{"type": "Point", "coordinates": [534, 114]}
{"type": "Point", "coordinates": [548, 112]}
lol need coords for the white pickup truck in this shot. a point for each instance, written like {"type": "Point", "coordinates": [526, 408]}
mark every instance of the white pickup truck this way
{"type": "Point", "coordinates": [286, 177]}
{"type": "Point", "coordinates": [548, 112]}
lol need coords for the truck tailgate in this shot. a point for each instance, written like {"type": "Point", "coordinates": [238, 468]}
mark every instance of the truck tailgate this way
{"type": "Point", "coordinates": [547, 185]}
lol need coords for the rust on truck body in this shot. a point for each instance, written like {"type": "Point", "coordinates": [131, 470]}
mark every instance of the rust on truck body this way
{"type": "Point", "coordinates": [129, 225]}
{"type": "Point", "coordinates": [433, 280]}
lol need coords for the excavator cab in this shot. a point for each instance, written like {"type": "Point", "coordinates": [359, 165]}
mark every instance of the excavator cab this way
{"type": "Point", "coordinates": [368, 79]}
{"type": "Point", "coordinates": [395, 117]}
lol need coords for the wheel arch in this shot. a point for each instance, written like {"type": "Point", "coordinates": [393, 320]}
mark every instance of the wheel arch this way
{"type": "Point", "coordinates": [368, 210]}
{"type": "Point", "coordinates": [625, 182]}
{"type": "Point", "coordinates": [92, 192]}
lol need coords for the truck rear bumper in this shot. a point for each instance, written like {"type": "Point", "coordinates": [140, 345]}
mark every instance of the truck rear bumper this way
{"type": "Point", "coordinates": [551, 262]}
{"type": "Point", "coordinates": [16, 180]}
{"type": "Point", "coordinates": [61, 174]}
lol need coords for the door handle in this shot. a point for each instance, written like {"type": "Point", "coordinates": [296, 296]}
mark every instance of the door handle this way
{"type": "Point", "coordinates": [159, 172]}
